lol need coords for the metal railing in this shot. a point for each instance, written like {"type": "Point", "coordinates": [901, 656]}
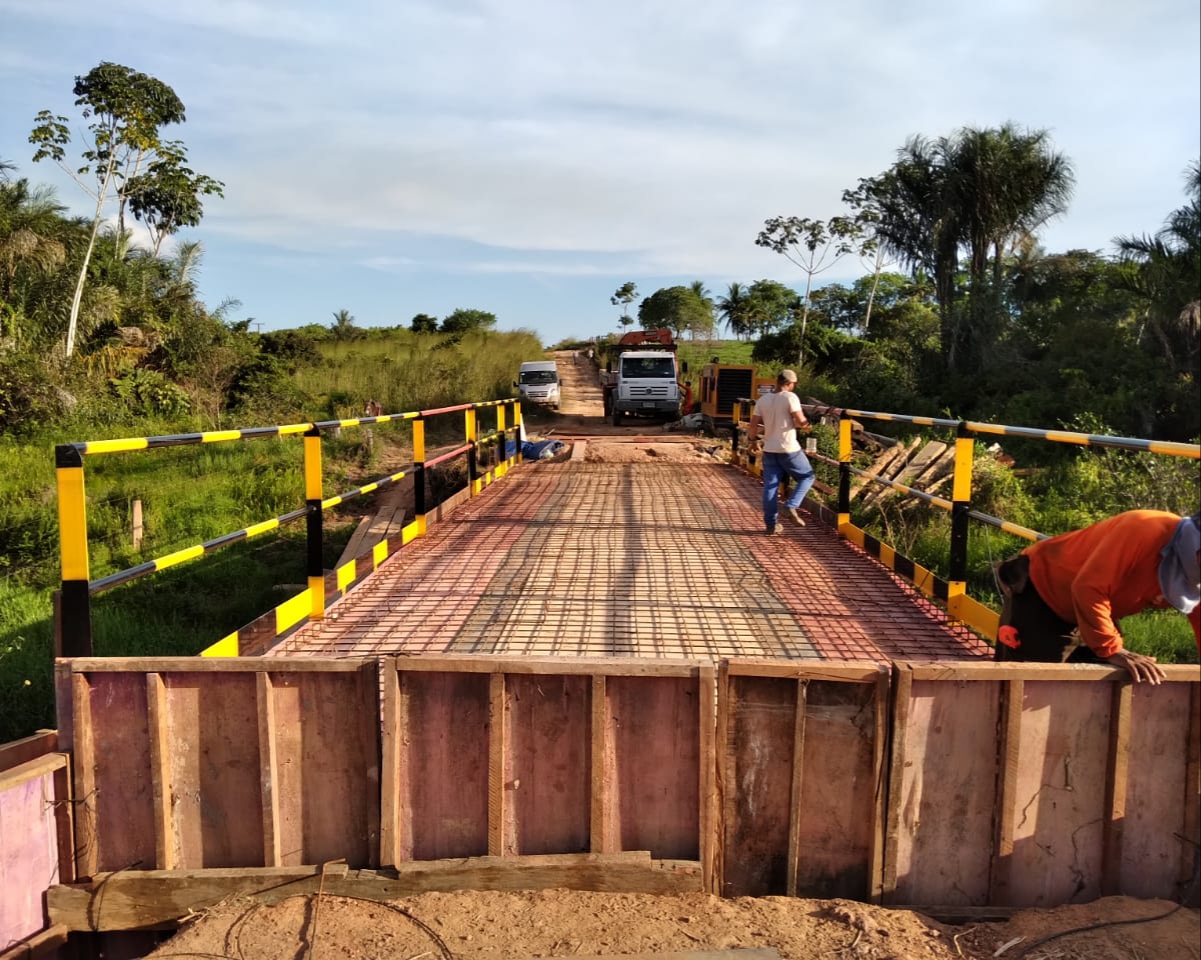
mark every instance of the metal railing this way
{"type": "Point", "coordinates": [954, 589]}
{"type": "Point", "coordinates": [487, 459]}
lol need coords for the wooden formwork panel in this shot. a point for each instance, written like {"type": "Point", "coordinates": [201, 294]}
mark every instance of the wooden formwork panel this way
{"type": "Point", "coordinates": [530, 756]}
{"type": "Point", "coordinates": [35, 835]}
{"type": "Point", "coordinates": [801, 759]}
{"type": "Point", "coordinates": [1035, 785]}
{"type": "Point", "coordinates": [187, 764]}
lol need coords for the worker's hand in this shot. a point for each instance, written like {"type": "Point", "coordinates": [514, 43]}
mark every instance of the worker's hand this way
{"type": "Point", "coordinates": [1141, 667]}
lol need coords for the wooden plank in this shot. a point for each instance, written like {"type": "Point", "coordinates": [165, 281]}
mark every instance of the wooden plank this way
{"type": "Point", "coordinates": [733, 953]}
{"type": "Point", "coordinates": [27, 748]}
{"type": "Point", "coordinates": [1060, 793]}
{"type": "Point", "coordinates": [762, 728]}
{"type": "Point", "coordinates": [444, 765]}
{"type": "Point", "coordinates": [1118, 766]}
{"type": "Point", "coordinates": [710, 838]}
{"type": "Point", "coordinates": [795, 799]}
{"type": "Point", "coordinates": [64, 708]}
{"type": "Point", "coordinates": [1060, 672]}
{"type": "Point", "coordinates": [98, 665]}
{"type": "Point", "coordinates": [1009, 753]}
{"type": "Point", "coordinates": [928, 455]}
{"type": "Point", "coordinates": [497, 759]}
{"type": "Point", "coordinates": [86, 853]}
{"type": "Point", "coordinates": [1190, 853]}
{"type": "Point", "coordinates": [654, 727]}
{"type": "Point", "coordinates": [601, 838]}
{"type": "Point", "coordinates": [264, 697]}
{"type": "Point", "coordinates": [885, 461]}
{"type": "Point", "coordinates": [902, 683]}
{"type": "Point", "coordinates": [725, 771]}
{"type": "Point", "coordinates": [548, 776]}
{"type": "Point", "coordinates": [1159, 832]}
{"type": "Point", "coordinates": [390, 796]}
{"type": "Point", "coordinates": [64, 821]}
{"type": "Point", "coordinates": [160, 773]}
{"type": "Point", "coordinates": [548, 666]}
{"type": "Point", "coordinates": [28, 845]}
{"type": "Point", "coordinates": [879, 783]}
{"type": "Point", "coordinates": [148, 899]}
{"type": "Point", "coordinates": [43, 944]}
{"type": "Point", "coordinates": [351, 550]}
{"type": "Point", "coordinates": [865, 672]}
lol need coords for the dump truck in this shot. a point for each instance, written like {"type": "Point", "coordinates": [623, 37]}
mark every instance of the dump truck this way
{"type": "Point", "coordinates": [643, 380]}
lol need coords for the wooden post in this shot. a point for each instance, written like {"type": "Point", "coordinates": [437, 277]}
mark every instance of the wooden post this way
{"type": "Point", "coordinates": [137, 524]}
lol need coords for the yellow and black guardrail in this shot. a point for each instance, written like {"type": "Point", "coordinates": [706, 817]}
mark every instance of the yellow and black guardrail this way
{"type": "Point", "coordinates": [951, 591]}
{"type": "Point", "coordinates": [487, 460]}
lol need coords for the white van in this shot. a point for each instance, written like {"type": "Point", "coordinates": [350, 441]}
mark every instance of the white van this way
{"type": "Point", "coordinates": [538, 382]}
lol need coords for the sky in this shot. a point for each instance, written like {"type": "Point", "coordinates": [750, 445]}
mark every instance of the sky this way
{"type": "Point", "coordinates": [527, 157]}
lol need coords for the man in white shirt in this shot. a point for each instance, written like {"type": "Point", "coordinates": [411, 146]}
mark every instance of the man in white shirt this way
{"type": "Point", "coordinates": [777, 416]}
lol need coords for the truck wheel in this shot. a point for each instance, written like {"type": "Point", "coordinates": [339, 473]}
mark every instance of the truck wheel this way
{"type": "Point", "coordinates": [616, 416]}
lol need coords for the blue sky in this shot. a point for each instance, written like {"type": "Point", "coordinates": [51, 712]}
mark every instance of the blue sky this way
{"type": "Point", "coordinates": [527, 157]}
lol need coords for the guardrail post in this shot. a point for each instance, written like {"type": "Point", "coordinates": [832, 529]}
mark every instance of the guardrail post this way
{"type": "Point", "coordinates": [419, 475]}
{"type": "Point", "coordinates": [314, 561]}
{"type": "Point", "coordinates": [502, 450]}
{"type": "Point", "coordinates": [472, 437]}
{"type": "Point", "coordinates": [517, 457]}
{"type": "Point", "coordinates": [961, 497]}
{"type": "Point", "coordinates": [76, 622]}
{"type": "Point", "coordinates": [737, 415]}
{"type": "Point", "coordinates": [844, 470]}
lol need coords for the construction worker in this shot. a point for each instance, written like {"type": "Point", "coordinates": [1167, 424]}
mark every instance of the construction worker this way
{"type": "Point", "coordinates": [1064, 596]}
{"type": "Point", "coordinates": [778, 416]}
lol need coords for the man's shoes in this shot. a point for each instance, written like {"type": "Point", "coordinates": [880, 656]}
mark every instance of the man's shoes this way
{"type": "Point", "coordinates": [779, 528]}
{"type": "Point", "coordinates": [791, 511]}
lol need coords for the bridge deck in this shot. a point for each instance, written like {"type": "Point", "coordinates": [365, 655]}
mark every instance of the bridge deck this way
{"type": "Point", "coordinates": [650, 560]}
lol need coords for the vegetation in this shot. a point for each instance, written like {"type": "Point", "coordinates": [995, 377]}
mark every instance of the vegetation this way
{"type": "Point", "coordinates": [102, 338]}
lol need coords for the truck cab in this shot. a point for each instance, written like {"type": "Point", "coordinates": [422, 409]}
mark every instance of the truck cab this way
{"type": "Point", "coordinates": [538, 382]}
{"type": "Point", "coordinates": [645, 384]}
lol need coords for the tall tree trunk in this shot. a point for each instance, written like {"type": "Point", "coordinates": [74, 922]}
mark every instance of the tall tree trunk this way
{"type": "Point", "coordinates": [800, 356]}
{"type": "Point", "coordinates": [77, 299]}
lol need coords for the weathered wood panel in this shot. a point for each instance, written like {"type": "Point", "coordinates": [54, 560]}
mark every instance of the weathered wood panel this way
{"type": "Point", "coordinates": [29, 844]}
{"type": "Point", "coordinates": [547, 771]}
{"type": "Point", "coordinates": [654, 728]}
{"type": "Point", "coordinates": [943, 804]}
{"type": "Point", "coordinates": [443, 765]}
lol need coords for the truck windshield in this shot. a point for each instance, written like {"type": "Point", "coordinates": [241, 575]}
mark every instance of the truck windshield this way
{"type": "Point", "coordinates": [648, 367]}
{"type": "Point", "coordinates": [536, 376]}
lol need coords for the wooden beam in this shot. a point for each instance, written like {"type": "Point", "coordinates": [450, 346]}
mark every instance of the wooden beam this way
{"type": "Point", "coordinates": [32, 770]}
{"type": "Point", "coordinates": [497, 755]}
{"type": "Point", "coordinates": [1068, 672]}
{"type": "Point", "coordinates": [218, 664]}
{"type": "Point", "coordinates": [389, 819]}
{"type": "Point", "coordinates": [572, 666]}
{"type": "Point", "coordinates": [1117, 769]}
{"type": "Point", "coordinates": [86, 847]}
{"type": "Point", "coordinates": [160, 772]}
{"type": "Point", "coordinates": [794, 797]}
{"type": "Point", "coordinates": [600, 782]}
{"type": "Point", "coordinates": [156, 899]}
{"type": "Point", "coordinates": [879, 783]}
{"type": "Point", "coordinates": [710, 839]}
{"type": "Point", "coordinates": [903, 689]}
{"type": "Point", "coordinates": [1009, 743]}
{"type": "Point", "coordinates": [809, 670]}
{"type": "Point", "coordinates": [268, 769]}
{"type": "Point", "coordinates": [725, 773]}
{"type": "Point", "coordinates": [1190, 853]}
{"type": "Point", "coordinates": [28, 748]}
{"type": "Point", "coordinates": [44, 944]}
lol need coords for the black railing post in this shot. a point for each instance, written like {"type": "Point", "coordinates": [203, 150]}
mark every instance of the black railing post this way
{"type": "Point", "coordinates": [76, 623]}
{"type": "Point", "coordinates": [961, 498]}
{"type": "Point", "coordinates": [844, 468]}
{"type": "Point", "coordinates": [314, 550]}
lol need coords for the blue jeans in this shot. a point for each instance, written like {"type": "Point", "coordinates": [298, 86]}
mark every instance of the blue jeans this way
{"type": "Point", "coordinates": [775, 465]}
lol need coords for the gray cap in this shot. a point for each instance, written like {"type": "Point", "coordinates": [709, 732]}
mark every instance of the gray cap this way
{"type": "Point", "coordinates": [1178, 570]}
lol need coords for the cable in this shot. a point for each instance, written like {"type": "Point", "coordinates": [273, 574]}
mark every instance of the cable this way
{"type": "Point", "coordinates": [1092, 926]}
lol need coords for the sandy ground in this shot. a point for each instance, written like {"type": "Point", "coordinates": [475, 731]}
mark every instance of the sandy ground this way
{"type": "Point", "coordinates": [482, 925]}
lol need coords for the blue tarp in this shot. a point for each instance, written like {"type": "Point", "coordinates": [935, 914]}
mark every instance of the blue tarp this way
{"type": "Point", "coordinates": [542, 449]}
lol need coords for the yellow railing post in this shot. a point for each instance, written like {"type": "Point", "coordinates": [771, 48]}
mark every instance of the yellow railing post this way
{"type": "Point", "coordinates": [419, 475]}
{"type": "Point", "coordinates": [517, 458]}
{"type": "Point", "coordinates": [961, 496]}
{"type": "Point", "coordinates": [472, 429]}
{"type": "Point", "coordinates": [844, 470]}
{"type": "Point", "coordinates": [314, 562]}
{"type": "Point", "coordinates": [76, 619]}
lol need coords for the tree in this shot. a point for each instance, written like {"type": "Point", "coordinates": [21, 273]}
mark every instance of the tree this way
{"type": "Point", "coordinates": [127, 109]}
{"type": "Point", "coordinates": [343, 327]}
{"type": "Point", "coordinates": [678, 308]}
{"type": "Point", "coordinates": [732, 308]}
{"type": "Point", "coordinates": [702, 326]}
{"type": "Point", "coordinates": [464, 321]}
{"type": "Point", "coordinates": [813, 246]}
{"type": "Point", "coordinates": [424, 323]}
{"type": "Point", "coordinates": [167, 196]}
{"type": "Point", "coordinates": [32, 237]}
{"type": "Point", "coordinates": [626, 294]}
{"type": "Point", "coordinates": [771, 305]}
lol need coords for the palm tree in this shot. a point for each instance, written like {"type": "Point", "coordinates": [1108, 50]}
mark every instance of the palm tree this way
{"type": "Point", "coordinates": [33, 235]}
{"type": "Point", "coordinates": [732, 309]}
{"type": "Point", "coordinates": [343, 327]}
{"type": "Point", "coordinates": [702, 294]}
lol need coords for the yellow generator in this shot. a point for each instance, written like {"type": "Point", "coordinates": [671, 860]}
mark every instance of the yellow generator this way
{"type": "Point", "coordinates": [722, 384]}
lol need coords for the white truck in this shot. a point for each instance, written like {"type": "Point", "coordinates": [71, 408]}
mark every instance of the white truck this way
{"type": "Point", "coordinates": [538, 382]}
{"type": "Point", "coordinates": [646, 382]}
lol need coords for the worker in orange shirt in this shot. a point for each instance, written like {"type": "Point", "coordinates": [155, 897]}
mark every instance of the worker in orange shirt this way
{"type": "Point", "coordinates": [1064, 596]}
